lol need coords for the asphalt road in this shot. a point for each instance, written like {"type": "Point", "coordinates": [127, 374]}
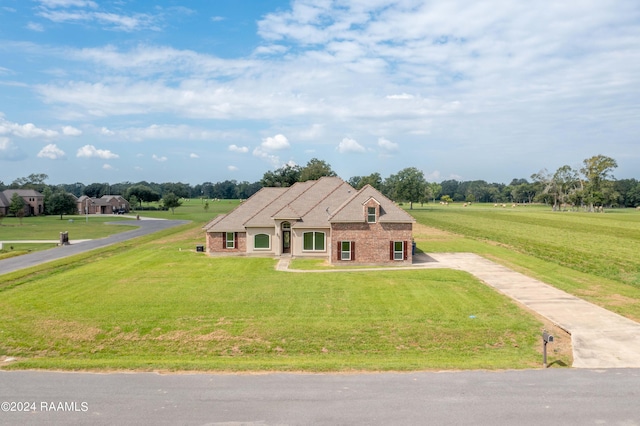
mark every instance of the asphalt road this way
{"type": "Point", "coordinates": [143, 227]}
{"type": "Point", "coordinates": [530, 397]}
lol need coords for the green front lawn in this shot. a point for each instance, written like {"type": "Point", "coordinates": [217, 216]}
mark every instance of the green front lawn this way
{"type": "Point", "coordinates": [158, 304]}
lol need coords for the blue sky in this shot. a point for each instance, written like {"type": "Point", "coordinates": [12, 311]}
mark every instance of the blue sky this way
{"type": "Point", "coordinates": [196, 91]}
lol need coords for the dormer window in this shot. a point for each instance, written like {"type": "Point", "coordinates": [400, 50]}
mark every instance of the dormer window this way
{"type": "Point", "coordinates": [371, 215]}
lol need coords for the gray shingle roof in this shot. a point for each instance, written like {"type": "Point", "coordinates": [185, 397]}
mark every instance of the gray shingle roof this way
{"type": "Point", "coordinates": [7, 194]}
{"type": "Point", "coordinates": [353, 209]}
{"type": "Point", "coordinates": [311, 204]}
{"type": "Point", "coordinates": [234, 221]}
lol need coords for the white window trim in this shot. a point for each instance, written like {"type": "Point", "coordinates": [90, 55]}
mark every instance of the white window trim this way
{"type": "Point", "coordinates": [375, 215]}
{"type": "Point", "coordinates": [397, 253]}
{"type": "Point", "coordinates": [232, 241]}
{"type": "Point", "coordinates": [343, 252]}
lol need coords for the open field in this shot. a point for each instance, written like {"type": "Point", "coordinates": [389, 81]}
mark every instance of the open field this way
{"type": "Point", "coordinates": [157, 304]}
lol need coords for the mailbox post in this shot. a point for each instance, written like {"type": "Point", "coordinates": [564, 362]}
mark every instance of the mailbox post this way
{"type": "Point", "coordinates": [546, 338]}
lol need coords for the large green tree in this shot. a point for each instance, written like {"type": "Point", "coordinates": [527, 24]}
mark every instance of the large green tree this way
{"type": "Point", "coordinates": [61, 203]}
{"type": "Point", "coordinates": [283, 177]}
{"type": "Point", "coordinates": [410, 185]}
{"type": "Point", "coordinates": [374, 179]}
{"type": "Point", "coordinates": [315, 169]}
{"type": "Point", "coordinates": [17, 205]}
{"type": "Point", "coordinates": [171, 201]}
{"type": "Point", "coordinates": [142, 193]}
{"type": "Point", "coordinates": [96, 190]}
{"type": "Point", "coordinates": [179, 189]}
{"type": "Point", "coordinates": [33, 181]}
{"type": "Point", "coordinates": [598, 174]}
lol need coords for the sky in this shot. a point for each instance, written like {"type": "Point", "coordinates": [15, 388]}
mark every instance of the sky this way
{"type": "Point", "coordinates": [205, 91]}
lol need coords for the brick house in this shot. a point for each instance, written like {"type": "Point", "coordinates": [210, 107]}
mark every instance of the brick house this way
{"type": "Point", "coordinates": [326, 218]}
{"type": "Point", "coordinates": [34, 201]}
{"type": "Point", "coordinates": [107, 204]}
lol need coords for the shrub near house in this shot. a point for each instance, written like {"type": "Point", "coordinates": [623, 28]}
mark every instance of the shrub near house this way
{"type": "Point", "coordinates": [326, 218]}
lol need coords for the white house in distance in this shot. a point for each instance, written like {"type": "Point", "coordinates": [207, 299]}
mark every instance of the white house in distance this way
{"type": "Point", "coordinates": [326, 218]}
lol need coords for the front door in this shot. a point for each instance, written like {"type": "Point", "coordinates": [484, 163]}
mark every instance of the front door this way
{"type": "Point", "coordinates": [286, 241]}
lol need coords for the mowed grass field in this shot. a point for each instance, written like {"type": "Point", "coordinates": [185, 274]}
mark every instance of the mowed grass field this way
{"type": "Point", "coordinates": [154, 303]}
{"type": "Point", "coordinates": [595, 256]}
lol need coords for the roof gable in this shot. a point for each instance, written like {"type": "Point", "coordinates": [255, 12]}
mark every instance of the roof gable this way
{"type": "Point", "coordinates": [351, 209]}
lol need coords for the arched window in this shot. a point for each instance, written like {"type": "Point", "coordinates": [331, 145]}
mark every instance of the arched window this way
{"type": "Point", "coordinates": [261, 241]}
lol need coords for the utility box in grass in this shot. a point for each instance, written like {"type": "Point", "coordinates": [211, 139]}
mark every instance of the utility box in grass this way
{"type": "Point", "coordinates": [200, 249]}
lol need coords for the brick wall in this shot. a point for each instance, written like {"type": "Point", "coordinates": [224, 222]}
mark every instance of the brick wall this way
{"type": "Point", "coordinates": [216, 243]}
{"type": "Point", "coordinates": [371, 241]}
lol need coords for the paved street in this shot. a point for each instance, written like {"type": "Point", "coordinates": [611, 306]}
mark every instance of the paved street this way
{"type": "Point", "coordinates": [142, 227]}
{"type": "Point", "coordinates": [530, 397]}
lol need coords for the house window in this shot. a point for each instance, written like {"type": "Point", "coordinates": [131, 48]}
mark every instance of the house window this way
{"type": "Point", "coordinates": [313, 241]}
{"type": "Point", "coordinates": [398, 250]}
{"type": "Point", "coordinates": [371, 214]}
{"type": "Point", "coordinates": [347, 250]}
{"type": "Point", "coordinates": [261, 241]}
{"type": "Point", "coordinates": [230, 240]}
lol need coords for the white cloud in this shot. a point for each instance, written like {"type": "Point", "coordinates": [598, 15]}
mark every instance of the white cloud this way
{"type": "Point", "coordinates": [33, 26]}
{"type": "Point", "coordinates": [350, 145]}
{"type": "Point", "coordinates": [159, 159]}
{"type": "Point", "coordinates": [387, 145]}
{"type": "Point", "coordinates": [217, 18]}
{"type": "Point", "coordinates": [71, 131]}
{"type": "Point", "coordinates": [400, 96]}
{"type": "Point", "coordinates": [67, 3]}
{"type": "Point", "coordinates": [275, 143]}
{"type": "Point", "coordinates": [9, 151]}
{"type": "Point", "coordinates": [239, 149]}
{"type": "Point", "coordinates": [28, 130]}
{"type": "Point", "coordinates": [75, 11]}
{"type": "Point", "coordinates": [274, 160]}
{"type": "Point", "coordinates": [107, 167]}
{"type": "Point", "coordinates": [106, 132]}
{"type": "Point", "coordinates": [193, 155]}
{"type": "Point", "coordinates": [232, 168]}
{"type": "Point", "coordinates": [170, 132]}
{"type": "Point", "coordinates": [270, 144]}
{"type": "Point", "coordinates": [52, 152]}
{"type": "Point", "coordinates": [90, 151]}
{"type": "Point", "coordinates": [273, 49]}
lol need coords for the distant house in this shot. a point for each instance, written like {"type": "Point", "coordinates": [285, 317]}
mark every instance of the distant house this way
{"type": "Point", "coordinates": [34, 201]}
{"type": "Point", "coordinates": [326, 218]}
{"type": "Point", "coordinates": [107, 204]}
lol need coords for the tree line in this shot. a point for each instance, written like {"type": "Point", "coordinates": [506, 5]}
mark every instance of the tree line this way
{"type": "Point", "coordinates": [589, 187]}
